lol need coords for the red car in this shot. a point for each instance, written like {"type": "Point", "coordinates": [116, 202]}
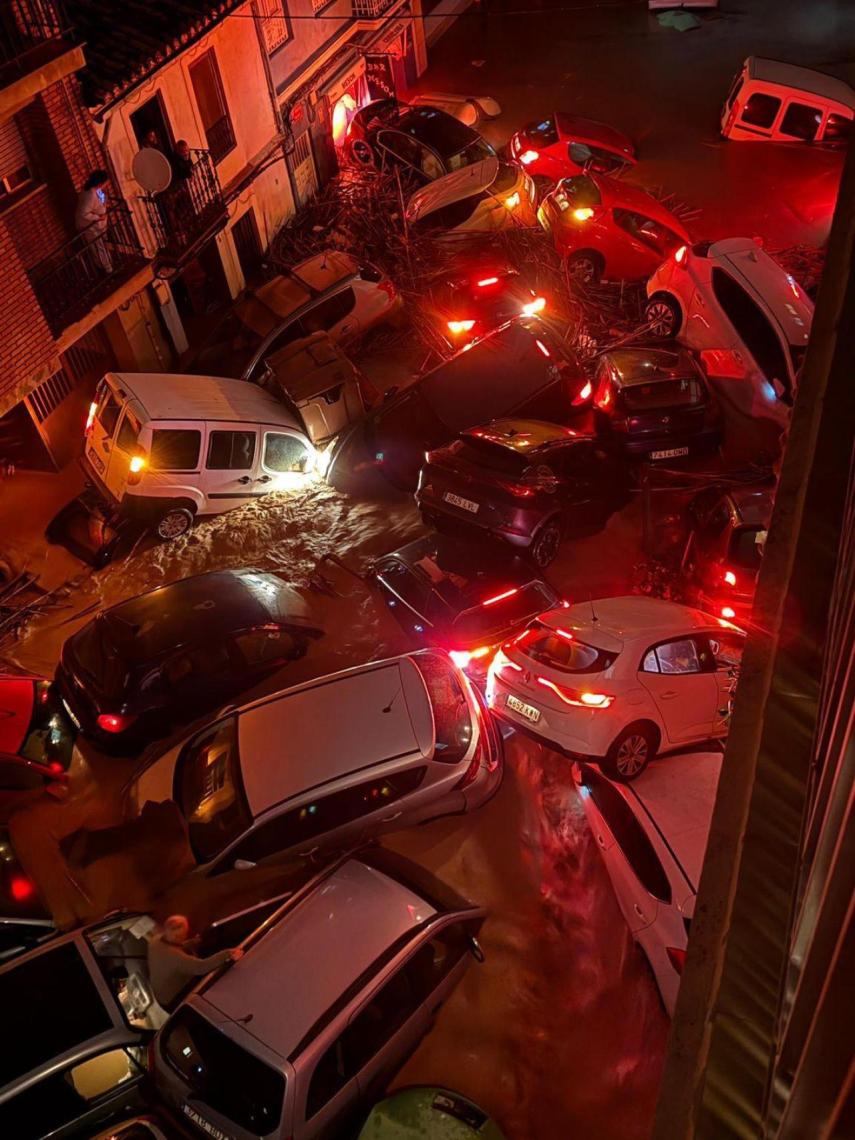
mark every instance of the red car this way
{"type": "Point", "coordinates": [608, 229]}
{"type": "Point", "coordinates": [565, 145]}
{"type": "Point", "coordinates": [36, 735]}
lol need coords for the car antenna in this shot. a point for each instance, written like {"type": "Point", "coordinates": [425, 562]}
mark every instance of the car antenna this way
{"type": "Point", "coordinates": [594, 617]}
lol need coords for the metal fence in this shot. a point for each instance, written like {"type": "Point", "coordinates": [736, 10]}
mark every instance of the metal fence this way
{"type": "Point", "coordinates": [26, 24]}
{"type": "Point", "coordinates": [184, 211]}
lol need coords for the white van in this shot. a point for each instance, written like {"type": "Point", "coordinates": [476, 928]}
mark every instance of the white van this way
{"type": "Point", "coordinates": [784, 103]}
{"type": "Point", "coordinates": [165, 448]}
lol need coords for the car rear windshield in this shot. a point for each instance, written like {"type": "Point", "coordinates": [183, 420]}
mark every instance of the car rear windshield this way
{"type": "Point", "coordinates": [450, 708]}
{"type": "Point", "coordinates": [209, 789]}
{"type": "Point", "coordinates": [564, 652]}
{"type": "Point", "coordinates": [544, 133]}
{"type": "Point", "coordinates": [50, 736]}
{"type": "Point", "coordinates": [50, 1004]}
{"type": "Point", "coordinates": [503, 613]}
{"type": "Point", "coordinates": [485, 453]}
{"type": "Point", "coordinates": [475, 152]}
{"type": "Point", "coordinates": [682, 392]}
{"type": "Point", "coordinates": [746, 547]}
{"type": "Point", "coordinates": [95, 651]}
{"type": "Point", "coordinates": [222, 1075]}
{"type": "Point", "coordinates": [580, 191]}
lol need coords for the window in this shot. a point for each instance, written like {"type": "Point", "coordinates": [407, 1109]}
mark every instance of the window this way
{"type": "Point", "coordinates": [328, 312]}
{"type": "Point", "coordinates": [629, 835]}
{"type": "Point", "coordinates": [682, 392]}
{"type": "Point", "coordinates": [477, 151]}
{"type": "Point", "coordinates": [485, 622]}
{"type": "Point", "coordinates": [735, 87]}
{"type": "Point", "coordinates": [544, 133]}
{"type": "Point", "coordinates": [269, 644]}
{"type": "Point", "coordinates": [677, 657]}
{"type": "Point", "coordinates": [208, 88]}
{"type": "Point", "coordinates": [192, 669]}
{"type": "Point", "coordinates": [406, 585]}
{"type": "Point", "coordinates": [838, 128]}
{"type": "Point", "coordinates": [329, 1078]}
{"type": "Point", "coordinates": [753, 327]}
{"type": "Point", "coordinates": [274, 24]}
{"type": "Point", "coordinates": [801, 121]}
{"type": "Point", "coordinates": [209, 790]}
{"type": "Point", "coordinates": [567, 654]}
{"type": "Point", "coordinates": [222, 1074]}
{"type": "Point", "coordinates": [50, 735]}
{"type": "Point", "coordinates": [107, 412]}
{"type": "Point", "coordinates": [285, 453]}
{"type": "Point", "coordinates": [761, 110]}
{"type": "Point", "coordinates": [451, 216]}
{"type": "Point", "coordinates": [174, 449]}
{"type": "Point", "coordinates": [15, 171]}
{"type": "Point", "coordinates": [128, 435]}
{"type": "Point", "coordinates": [403, 148]}
{"type": "Point", "coordinates": [650, 233]}
{"type": "Point", "coordinates": [231, 450]}
{"type": "Point", "coordinates": [746, 547]}
{"type": "Point", "coordinates": [727, 649]}
{"type": "Point", "coordinates": [452, 719]}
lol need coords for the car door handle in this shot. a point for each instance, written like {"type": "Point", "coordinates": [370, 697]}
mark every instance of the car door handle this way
{"type": "Point", "coordinates": [307, 854]}
{"type": "Point", "coordinates": [244, 479]}
{"type": "Point", "coordinates": [601, 841]}
{"type": "Point", "coordinates": [389, 818]}
{"type": "Point", "coordinates": [638, 910]}
{"type": "Point", "coordinates": [668, 694]}
{"type": "Point", "coordinates": [264, 479]}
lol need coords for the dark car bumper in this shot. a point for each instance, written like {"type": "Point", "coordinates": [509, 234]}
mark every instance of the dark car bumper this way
{"type": "Point", "coordinates": [513, 525]}
{"type": "Point", "coordinates": [643, 444]}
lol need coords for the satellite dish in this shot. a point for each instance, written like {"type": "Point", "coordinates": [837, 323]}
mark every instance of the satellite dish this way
{"type": "Point", "coordinates": [151, 169]}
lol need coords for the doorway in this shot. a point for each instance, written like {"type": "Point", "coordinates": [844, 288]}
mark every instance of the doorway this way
{"type": "Point", "coordinates": [151, 119]}
{"type": "Point", "coordinates": [248, 246]}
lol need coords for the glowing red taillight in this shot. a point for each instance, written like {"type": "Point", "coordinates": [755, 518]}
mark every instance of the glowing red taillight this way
{"type": "Point", "coordinates": [578, 697]}
{"type": "Point", "coordinates": [518, 490]}
{"type": "Point", "coordinates": [21, 888]}
{"type": "Point", "coordinates": [676, 957]}
{"type": "Point", "coordinates": [114, 722]}
{"type": "Point", "coordinates": [533, 307]}
{"type": "Point", "coordinates": [728, 577]}
{"type": "Point", "coordinates": [543, 348]}
{"type": "Point", "coordinates": [458, 327]}
{"type": "Point", "coordinates": [728, 612]}
{"type": "Point", "coordinates": [680, 255]}
{"type": "Point", "coordinates": [500, 597]}
{"type": "Point", "coordinates": [485, 281]}
{"type": "Point", "coordinates": [584, 394]}
{"type": "Point", "coordinates": [462, 657]}
{"type": "Point", "coordinates": [90, 418]}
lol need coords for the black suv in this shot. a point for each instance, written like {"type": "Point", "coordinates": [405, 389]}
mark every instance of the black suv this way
{"type": "Point", "coordinates": [159, 660]}
{"type": "Point", "coordinates": [524, 481]}
{"type": "Point", "coordinates": [654, 402]}
{"type": "Point", "coordinates": [444, 592]}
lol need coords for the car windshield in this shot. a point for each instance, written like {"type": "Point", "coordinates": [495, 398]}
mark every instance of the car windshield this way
{"type": "Point", "coordinates": [475, 152]}
{"type": "Point", "coordinates": [681, 392]}
{"type": "Point", "coordinates": [564, 651]}
{"type": "Point", "coordinates": [222, 1075]}
{"type": "Point", "coordinates": [485, 453]}
{"type": "Point", "coordinates": [50, 735]}
{"type": "Point", "coordinates": [746, 547]}
{"type": "Point", "coordinates": [120, 950]}
{"type": "Point", "coordinates": [210, 791]}
{"type": "Point", "coordinates": [576, 192]}
{"type": "Point", "coordinates": [498, 613]}
{"type": "Point", "coordinates": [450, 709]}
{"type": "Point", "coordinates": [544, 133]}
{"type": "Point", "coordinates": [98, 656]}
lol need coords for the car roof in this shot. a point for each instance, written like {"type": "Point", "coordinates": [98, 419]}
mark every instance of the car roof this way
{"type": "Point", "coordinates": [615, 192]}
{"type": "Point", "coordinates": [265, 308]}
{"type": "Point", "coordinates": [200, 608]}
{"type": "Point", "coordinates": [645, 364]}
{"type": "Point", "coordinates": [436, 128]}
{"type": "Point", "coordinates": [790, 305]}
{"type": "Point", "coordinates": [575, 128]}
{"type": "Point", "coordinates": [385, 709]}
{"type": "Point", "coordinates": [522, 436]}
{"type": "Point", "coordinates": [315, 953]}
{"type": "Point", "coordinates": [678, 797]}
{"type": "Point", "coordinates": [801, 78]}
{"type": "Point", "coordinates": [753, 504]}
{"type": "Point", "coordinates": [612, 623]}
{"type": "Point", "coordinates": [454, 187]}
{"type": "Point", "coordinates": [458, 571]}
{"type": "Point", "coordinates": [17, 697]}
{"type": "Point", "coordinates": [168, 396]}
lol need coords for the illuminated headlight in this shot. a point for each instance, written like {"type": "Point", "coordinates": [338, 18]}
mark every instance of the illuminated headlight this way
{"type": "Point", "coordinates": [513, 200]}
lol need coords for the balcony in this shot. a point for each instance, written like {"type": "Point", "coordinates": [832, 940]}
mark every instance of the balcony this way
{"type": "Point", "coordinates": [36, 50]}
{"type": "Point", "coordinates": [190, 211]}
{"type": "Point", "coordinates": [86, 270]}
{"type": "Point", "coordinates": [371, 9]}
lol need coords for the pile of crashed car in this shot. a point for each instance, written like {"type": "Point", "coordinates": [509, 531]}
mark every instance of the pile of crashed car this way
{"type": "Point", "coordinates": [514, 444]}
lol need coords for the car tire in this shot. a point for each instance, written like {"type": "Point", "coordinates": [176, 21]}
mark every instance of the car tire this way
{"type": "Point", "coordinates": [362, 153]}
{"type": "Point", "coordinates": [630, 753]}
{"type": "Point", "coordinates": [585, 268]}
{"type": "Point", "coordinates": [662, 313]}
{"type": "Point", "coordinates": [174, 523]}
{"type": "Point", "coordinates": [545, 544]}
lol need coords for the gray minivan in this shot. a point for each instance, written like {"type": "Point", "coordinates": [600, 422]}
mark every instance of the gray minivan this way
{"type": "Point", "coordinates": [334, 991]}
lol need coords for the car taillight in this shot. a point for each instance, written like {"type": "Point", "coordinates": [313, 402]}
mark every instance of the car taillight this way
{"type": "Point", "coordinates": [485, 282]}
{"type": "Point", "coordinates": [21, 888]}
{"type": "Point", "coordinates": [728, 577]}
{"type": "Point", "coordinates": [518, 490]}
{"type": "Point", "coordinates": [676, 957]}
{"type": "Point", "coordinates": [583, 395]}
{"type": "Point", "coordinates": [728, 612]}
{"type": "Point", "coordinates": [471, 773]}
{"type": "Point", "coordinates": [680, 255]}
{"type": "Point", "coordinates": [458, 327]}
{"type": "Point", "coordinates": [114, 722]}
{"type": "Point", "coordinates": [532, 308]}
{"type": "Point", "coordinates": [578, 697]}
{"type": "Point", "coordinates": [90, 418]}
{"type": "Point", "coordinates": [529, 156]}
{"type": "Point", "coordinates": [462, 657]}
{"type": "Point", "coordinates": [583, 213]}
{"type": "Point", "coordinates": [501, 597]}
{"type": "Point", "coordinates": [543, 348]}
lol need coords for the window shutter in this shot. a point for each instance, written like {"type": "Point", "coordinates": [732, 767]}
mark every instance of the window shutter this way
{"type": "Point", "coordinates": [13, 153]}
{"type": "Point", "coordinates": [273, 23]}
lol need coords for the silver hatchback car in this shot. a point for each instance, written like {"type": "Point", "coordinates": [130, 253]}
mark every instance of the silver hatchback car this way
{"type": "Point", "coordinates": [334, 991]}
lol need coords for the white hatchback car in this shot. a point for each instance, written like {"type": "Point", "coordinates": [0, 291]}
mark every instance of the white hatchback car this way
{"type": "Point", "coordinates": [653, 838]}
{"type": "Point", "coordinates": [617, 680]}
{"type": "Point", "coordinates": [330, 763]}
{"type": "Point", "coordinates": [481, 198]}
{"type": "Point", "coordinates": [749, 319]}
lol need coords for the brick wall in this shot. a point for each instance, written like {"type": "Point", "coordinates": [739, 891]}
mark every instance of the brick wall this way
{"type": "Point", "coordinates": [26, 344]}
{"type": "Point", "coordinates": [73, 130]}
{"type": "Point", "coordinates": [35, 227]}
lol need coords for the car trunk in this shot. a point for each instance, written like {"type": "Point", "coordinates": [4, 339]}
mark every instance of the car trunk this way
{"type": "Point", "coordinates": [470, 486]}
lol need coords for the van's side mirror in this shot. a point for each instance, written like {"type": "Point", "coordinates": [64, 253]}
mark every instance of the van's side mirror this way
{"type": "Point", "coordinates": [243, 864]}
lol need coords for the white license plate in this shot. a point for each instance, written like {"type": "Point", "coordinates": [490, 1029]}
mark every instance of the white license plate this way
{"type": "Point", "coordinates": [464, 504]}
{"type": "Point", "coordinates": [528, 711]}
{"type": "Point", "coordinates": [670, 453]}
{"type": "Point", "coordinates": [96, 460]}
{"type": "Point", "coordinates": [71, 715]}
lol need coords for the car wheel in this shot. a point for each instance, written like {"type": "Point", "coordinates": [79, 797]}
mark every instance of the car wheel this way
{"type": "Point", "coordinates": [663, 315]}
{"type": "Point", "coordinates": [174, 523]}
{"type": "Point", "coordinates": [630, 753]}
{"type": "Point", "coordinates": [544, 548]}
{"type": "Point", "coordinates": [362, 153]}
{"type": "Point", "coordinates": [584, 268]}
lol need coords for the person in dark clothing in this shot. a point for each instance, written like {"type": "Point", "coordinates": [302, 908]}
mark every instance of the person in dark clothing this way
{"type": "Point", "coordinates": [181, 160]}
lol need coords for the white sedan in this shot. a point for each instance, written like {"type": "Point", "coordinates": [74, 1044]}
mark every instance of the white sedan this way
{"type": "Point", "coordinates": [617, 680]}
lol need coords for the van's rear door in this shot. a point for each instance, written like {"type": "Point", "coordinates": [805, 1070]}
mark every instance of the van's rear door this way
{"type": "Point", "coordinates": [109, 402]}
{"type": "Point", "coordinates": [121, 449]}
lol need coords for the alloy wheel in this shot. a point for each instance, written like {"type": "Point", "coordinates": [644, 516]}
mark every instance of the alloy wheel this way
{"type": "Point", "coordinates": [582, 270]}
{"type": "Point", "coordinates": [660, 317]}
{"type": "Point", "coordinates": [173, 524]}
{"type": "Point", "coordinates": [632, 755]}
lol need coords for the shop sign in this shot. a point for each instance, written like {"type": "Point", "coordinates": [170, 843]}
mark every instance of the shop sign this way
{"type": "Point", "coordinates": [380, 76]}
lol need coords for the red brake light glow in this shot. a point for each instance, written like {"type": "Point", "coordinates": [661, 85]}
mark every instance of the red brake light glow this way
{"type": "Point", "coordinates": [529, 156]}
{"type": "Point", "coordinates": [532, 308]}
{"type": "Point", "coordinates": [20, 888]}
{"type": "Point", "coordinates": [584, 394]}
{"type": "Point", "coordinates": [728, 612]}
{"type": "Point", "coordinates": [457, 327]}
{"type": "Point", "coordinates": [90, 418]}
{"type": "Point", "coordinates": [500, 597]}
{"type": "Point", "coordinates": [114, 722]}
{"type": "Point", "coordinates": [462, 657]}
{"type": "Point", "coordinates": [680, 255]}
{"type": "Point", "coordinates": [563, 632]}
{"type": "Point", "coordinates": [729, 577]}
{"type": "Point", "coordinates": [485, 281]}
{"type": "Point", "coordinates": [676, 957]}
{"type": "Point", "coordinates": [575, 697]}
{"type": "Point", "coordinates": [543, 348]}
{"type": "Point", "coordinates": [583, 213]}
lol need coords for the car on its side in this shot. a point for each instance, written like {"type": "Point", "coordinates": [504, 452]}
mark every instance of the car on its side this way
{"type": "Point", "coordinates": [526, 482]}
{"type": "Point", "coordinates": [653, 402]}
{"type": "Point", "coordinates": [748, 317]}
{"type": "Point", "coordinates": [479, 199]}
{"type": "Point", "coordinates": [421, 141]}
{"type": "Point", "coordinates": [477, 295]}
{"type": "Point", "coordinates": [608, 229]}
{"type": "Point", "coordinates": [615, 681]}
{"type": "Point", "coordinates": [36, 735]}
{"type": "Point", "coordinates": [444, 592]}
{"type": "Point", "coordinates": [724, 550]}
{"type": "Point", "coordinates": [329, 763]}
{"type": "Point", "coordinates": [520, 369]}
{"type": "Point", "coordinates": [297, 1039]}
{"type": "Point", "coordinates": [652, 835]}
{"type": "Point", "coordinates": [562, 145]}
{"type": "Point", "coordinates": [149, 664]}
{"type": "Point", "coordinates": [437, 1113]}
{"type": "Point", "coordinates": [329, 292]}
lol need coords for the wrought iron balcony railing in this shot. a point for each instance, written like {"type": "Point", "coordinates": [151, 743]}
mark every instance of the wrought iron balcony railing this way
{"type": "Point", "coordinates": [87, 269]}
{"type": "Point", "coordinates": [371, 9]}
{"type": "Point", "coordinates": [189, 210]}
{"type": "Point", "coordinates": [25, 26]}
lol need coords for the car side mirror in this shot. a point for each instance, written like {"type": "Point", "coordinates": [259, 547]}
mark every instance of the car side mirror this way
{"type": "Point", "coordinates": [243, 864]}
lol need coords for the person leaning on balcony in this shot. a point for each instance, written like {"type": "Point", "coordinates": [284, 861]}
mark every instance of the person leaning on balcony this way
{"type": "Point", "coordinates": [90, 218]}
{"type": "Point", "coordinates": [181, 161]}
